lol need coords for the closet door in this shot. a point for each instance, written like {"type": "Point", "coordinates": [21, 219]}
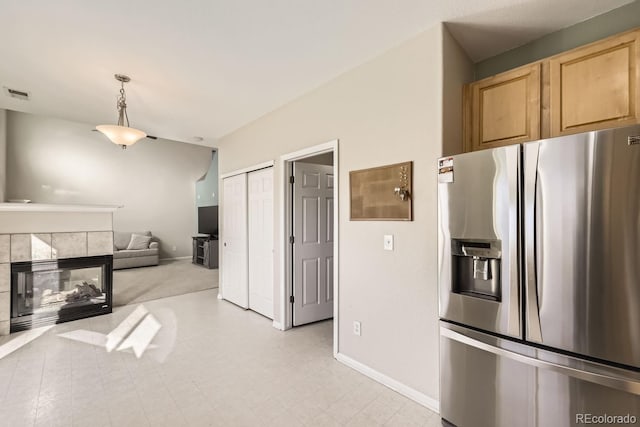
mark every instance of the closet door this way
{"type": "Point", "coordinates": [260, 201]}
{"type": "Point", "coordinates": [234, 282]}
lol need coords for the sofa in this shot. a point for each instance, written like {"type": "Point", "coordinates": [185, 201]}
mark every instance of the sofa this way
{"type": "Point", "coordinates": [145, 253]}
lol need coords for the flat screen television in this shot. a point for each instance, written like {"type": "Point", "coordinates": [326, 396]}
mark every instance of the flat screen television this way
{"type": "Point", "coordinates": [208, 220]}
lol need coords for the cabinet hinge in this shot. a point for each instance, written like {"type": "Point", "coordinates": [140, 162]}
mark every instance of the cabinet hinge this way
{"type": "Point", "coordinates": [291, 299]}
{"type": "Point", "coordinates": [292, 179]}
{"type": "Point", "coordinates": [292, 240]}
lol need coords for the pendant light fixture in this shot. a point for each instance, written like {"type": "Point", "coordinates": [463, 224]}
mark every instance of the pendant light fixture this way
{"type": "Point", "coordinates": [121, 133]}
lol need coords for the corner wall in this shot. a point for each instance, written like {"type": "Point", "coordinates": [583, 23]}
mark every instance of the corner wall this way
{"type": "Point", "coordinates": [58, 161]}
{"type": "Point", "coordinates": [207, 186]}
{"type": "Point", "coordinates": [457, 70]}
{"type": "Point", "coordinates": [385, 111]}
{"type": "Point", "coordinates": [3, 155]}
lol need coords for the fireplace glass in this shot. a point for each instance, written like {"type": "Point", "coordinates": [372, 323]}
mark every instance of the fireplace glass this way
{"type": "Point", "coordinates": [56, 291]}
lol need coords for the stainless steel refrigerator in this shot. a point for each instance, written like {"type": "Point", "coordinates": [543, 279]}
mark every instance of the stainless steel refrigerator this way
{"type": "Point", "coordinates": [539, 282]}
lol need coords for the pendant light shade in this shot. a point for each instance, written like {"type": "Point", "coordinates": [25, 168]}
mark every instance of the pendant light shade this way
{"type": "Point", "coordinates": [121, 133]}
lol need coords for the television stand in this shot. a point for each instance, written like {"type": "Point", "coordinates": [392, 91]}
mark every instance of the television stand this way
{"type": "Point", "coordinates": [205, 251]}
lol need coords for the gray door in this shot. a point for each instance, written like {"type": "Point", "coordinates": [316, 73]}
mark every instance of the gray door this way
{"type": "Point", "coordinates": [478, 241]}
{"type": "Point", "coordinates": [313, 243]}
{"type": "Point", "coordinates": [582, 205]}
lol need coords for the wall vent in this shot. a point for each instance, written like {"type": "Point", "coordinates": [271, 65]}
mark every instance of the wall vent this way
{"type": "Point", "coordinates": [15, 93]}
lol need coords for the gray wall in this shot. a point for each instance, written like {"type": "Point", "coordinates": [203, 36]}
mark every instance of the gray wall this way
{"type": "Point", "coordinates": [3, 154]}
{"type": "Point", "coordinates": [458, 70]}
{"type": "Point", "coordinates": [610, 23]}
{"type": "Point", "coordinates": [388, 110]}
{"type": "Point", "coordinates": [321, 159]}
{"type": "Point", "coordinates": [58, 161]}
{"type": "Point", "coordinates": [207, 186]}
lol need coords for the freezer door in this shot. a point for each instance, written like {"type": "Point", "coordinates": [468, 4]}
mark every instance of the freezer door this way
{"type": "Point", "coordinates": [582, 244]}
{"type": "Point", "coordinates": [486, 381]}
{"type": "Point", "coordinates": [477, 240]}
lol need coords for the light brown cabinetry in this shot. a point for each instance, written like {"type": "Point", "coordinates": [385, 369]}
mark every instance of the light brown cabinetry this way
{"type": "Point", "coordinates": [596, 86]}
{"type": "Point", "coordinates": [588, 88]}
{"type": "Point", "coordinates": [504, 109]}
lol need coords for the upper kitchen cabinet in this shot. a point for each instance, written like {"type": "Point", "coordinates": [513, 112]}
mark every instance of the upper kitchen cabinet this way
{"type": "Point", "coordinates": [503, 109]}
{"type": "Point", "coordinates": [591, 87]}
{"type": "Point", "coordinates": [595, 86]}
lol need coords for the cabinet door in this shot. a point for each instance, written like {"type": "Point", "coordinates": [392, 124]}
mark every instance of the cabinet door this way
{"type": "Point", "coordinates": [595, 86]}
{"type": "Point", "coordinates": [504, 109]}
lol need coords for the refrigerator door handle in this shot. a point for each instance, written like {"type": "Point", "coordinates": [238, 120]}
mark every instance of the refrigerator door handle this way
{"type": "Point", "coordinates": [515, 313]}
{"type": "Point", "coordinates": [617, 382]}
{"type": "Point", "coordinates": [532, 309]}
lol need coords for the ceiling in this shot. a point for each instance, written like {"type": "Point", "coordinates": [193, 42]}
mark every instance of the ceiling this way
{"type": "Point", "coordinates": [203, 68]}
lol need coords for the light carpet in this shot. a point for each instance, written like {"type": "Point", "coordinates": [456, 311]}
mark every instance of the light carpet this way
{"type": "Point", "coordinates": [170, 278]}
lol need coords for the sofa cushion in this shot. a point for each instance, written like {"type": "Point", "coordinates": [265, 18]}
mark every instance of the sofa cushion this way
{"type": "Point", "coordinates": [139, 242]}
{"type": "Point", "coordinates": [121, 239]}
{"type": "Point", "coordinates": [126, 253]}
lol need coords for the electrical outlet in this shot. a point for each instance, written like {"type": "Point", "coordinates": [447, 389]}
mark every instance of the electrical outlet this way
{"type": "Point", "coordinates": [356, 328]}
{"type": "Point", "coordinates": [388, 242]}
{"type": "Point", "coordinates": [174, 248]}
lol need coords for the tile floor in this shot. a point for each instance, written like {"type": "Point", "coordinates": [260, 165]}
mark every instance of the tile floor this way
{"type": "Point", "coordinates": [211, 364]}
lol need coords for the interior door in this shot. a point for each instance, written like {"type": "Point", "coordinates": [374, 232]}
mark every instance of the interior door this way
{"type": "Point", "coordinates": [260, 201]}
{"type": "Point", "coordinates": [313, 243]}
{"type": "Point", "coordinates": [234, 241]}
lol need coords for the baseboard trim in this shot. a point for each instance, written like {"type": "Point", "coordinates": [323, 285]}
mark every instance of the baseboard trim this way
{"type": "Point", "coordinates": [394, 385]}
{"type": "Point", "coordinates": [278, 325]}
{"type": "Point", "coordinates": [176, 258]}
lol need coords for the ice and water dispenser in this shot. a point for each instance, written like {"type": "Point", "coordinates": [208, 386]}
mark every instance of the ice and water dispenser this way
{"type": "Point", "coordinates": [476, 268]}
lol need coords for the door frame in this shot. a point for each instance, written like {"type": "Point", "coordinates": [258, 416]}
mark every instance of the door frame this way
{"type": "Point", "coordinates": [286, 278]}
{"type": "Point", "coordinates": [248, 169]}
{"type": "Point", "coordinates": [263, 165]}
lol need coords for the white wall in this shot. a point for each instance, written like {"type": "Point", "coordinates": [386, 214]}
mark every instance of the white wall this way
{"type": "Point", "coordinates": [386, 111]}
{"type": "Point", "coordinates": [3, 154]}
{"type": "Point", "coordinates": [58, 161]}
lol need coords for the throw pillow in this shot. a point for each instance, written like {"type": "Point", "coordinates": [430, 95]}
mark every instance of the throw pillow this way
{"type": "Point", "coordinates": [139, 242]}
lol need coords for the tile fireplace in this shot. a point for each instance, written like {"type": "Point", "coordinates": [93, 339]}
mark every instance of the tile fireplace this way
{"type": "Point", "coordinates": [60, 290]}
{"type": "Point", "coordinates": [38, 244]}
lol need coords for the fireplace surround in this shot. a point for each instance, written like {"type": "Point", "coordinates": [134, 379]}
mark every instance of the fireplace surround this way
{"type": "Point", "coordinates": [34, 232]}
{"type": "Point", "coordinates": [55, 291]}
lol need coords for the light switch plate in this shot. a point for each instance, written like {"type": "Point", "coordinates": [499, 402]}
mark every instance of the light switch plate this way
{"type": "Point", "coordinates": [388, 242]}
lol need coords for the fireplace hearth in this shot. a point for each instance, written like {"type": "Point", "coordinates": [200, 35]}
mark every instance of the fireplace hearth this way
{"type": "Point", "coordinates": [56, 291]}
